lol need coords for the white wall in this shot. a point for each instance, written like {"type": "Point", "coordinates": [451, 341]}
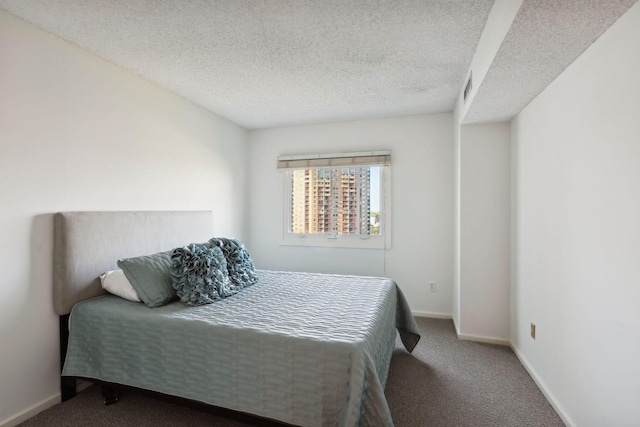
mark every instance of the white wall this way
{"type": "Point", "coordinates": [455, 309]}
{"type": "Point", "coordinates": [484, 277]}
{"type": "Point", "coordinates": [577, 242]}
{"type": "Point", "coordinates": [485, 168]}
{"type": "Point", "coordinates": [422, 203]}
{"type": "Point", "coordinates": [77, 133]}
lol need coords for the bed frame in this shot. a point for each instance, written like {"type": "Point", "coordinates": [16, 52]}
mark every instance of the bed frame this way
{"type": "Point", "coordinates": [87, 244]}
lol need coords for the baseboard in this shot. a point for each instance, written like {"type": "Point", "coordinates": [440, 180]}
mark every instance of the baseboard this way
{"type": "Point", "coordinates": [42, 406]}
{"type": "Point", "coordinates": [543, 388]}
{"type": "Point", "coordinates": [486, 340]}
{"type": "Point", "coordinates": [478, 338]}
{"type": "Point", "coordinates": [431, 315]}
{"type": "Point", "coordinates": [32, 411]}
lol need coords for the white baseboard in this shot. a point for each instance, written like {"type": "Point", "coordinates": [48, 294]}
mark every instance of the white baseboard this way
{"type": "Point", "coordinates": [478, 338]}
{"type": "Point", "coordinates": [487, 340]}
{"type": "Point", "coordinates": [32, 411]}
{"type": "Point", "coordinates": [431, 315]}
{"type": "Point", "coordinates": [42, 406]}
{"type": "Point", "coordinates": [543, 388]}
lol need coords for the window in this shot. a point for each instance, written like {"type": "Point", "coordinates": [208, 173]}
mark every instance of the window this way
{"type": "Point", "coordinates": [337, 200]}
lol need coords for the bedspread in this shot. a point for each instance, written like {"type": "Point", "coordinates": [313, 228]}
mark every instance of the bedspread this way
{"type": "Point", "coordinates": [302, 348]}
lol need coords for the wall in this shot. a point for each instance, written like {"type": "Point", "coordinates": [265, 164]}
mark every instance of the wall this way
{"type": "Point", "coordinates": [576, 247]}
{"type": "Point", "coordinates": [78, 133]}
{"type": "Point", "coordinates": [485, 168]}
{"type": "Point", "coordinates": [422, 203]}
{"type": "Point", "coordinates": [485, 242]}
{"type": "Point", "coordinates": [455, 309]}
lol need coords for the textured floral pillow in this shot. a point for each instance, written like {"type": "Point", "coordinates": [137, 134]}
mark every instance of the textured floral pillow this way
{"type": "Point", "coordinates": [199, 274]}
{"type": "Point", "coordinates": [242, 271]}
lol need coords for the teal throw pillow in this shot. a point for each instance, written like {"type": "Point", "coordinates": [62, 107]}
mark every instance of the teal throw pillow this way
{"type": "Point", "coordinates": [242, 271]}
{"type": "Point", "coordinates": [199, 274]}
{"type": "Point", "coordinates": [150, 276]}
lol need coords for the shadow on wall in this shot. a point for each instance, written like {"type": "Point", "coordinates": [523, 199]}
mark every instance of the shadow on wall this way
{"type": "Point", "coordinates": [41, 274]}
{"type": "Point", "coordinates": [40, 292]}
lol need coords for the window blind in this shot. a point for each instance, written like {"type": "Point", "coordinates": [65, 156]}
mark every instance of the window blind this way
{"type": "Point", "coordinates": [365, 158]}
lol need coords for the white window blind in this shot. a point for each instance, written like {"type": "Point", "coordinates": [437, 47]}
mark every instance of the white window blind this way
{"type": "Point", "coordinates": [364, 158]}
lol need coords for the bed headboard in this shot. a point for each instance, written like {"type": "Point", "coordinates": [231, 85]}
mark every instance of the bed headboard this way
{"type": "Point", "coordinates": [87, 244]}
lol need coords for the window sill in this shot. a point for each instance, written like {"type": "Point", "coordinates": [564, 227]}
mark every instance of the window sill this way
{"type": "Point", "coordinates": [355, 243]}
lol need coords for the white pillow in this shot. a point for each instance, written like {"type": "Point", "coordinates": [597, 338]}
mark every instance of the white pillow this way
{"type": "Point", "coordinates": [116, 283]}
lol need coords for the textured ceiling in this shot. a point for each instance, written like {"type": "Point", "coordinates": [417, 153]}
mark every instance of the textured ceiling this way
{"type": "Point", "coordinates": [546, 37]}
{"type": "Point", "coordinates": [268, 63]}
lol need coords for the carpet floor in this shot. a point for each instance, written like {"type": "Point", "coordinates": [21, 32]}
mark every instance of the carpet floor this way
{"type": "Point", "coordinates": [445, 382]}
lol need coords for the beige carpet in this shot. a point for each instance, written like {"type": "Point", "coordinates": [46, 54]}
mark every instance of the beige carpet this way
{"type": "Point", "coordinates": [445, 382]}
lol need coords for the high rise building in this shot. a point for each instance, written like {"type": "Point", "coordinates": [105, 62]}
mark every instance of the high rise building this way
{"type": "Point", "coordinates": [331, 200]}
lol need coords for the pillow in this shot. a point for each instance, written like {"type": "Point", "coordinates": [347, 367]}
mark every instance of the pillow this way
{"type": "Point", "coordinates": [150, 276]}
{"type": "Point", "coordinates": [116, 283]}
{"type": "Point", "coordinates": [200, 274]}
{"type": "Point", "coordinates": [240, 265]}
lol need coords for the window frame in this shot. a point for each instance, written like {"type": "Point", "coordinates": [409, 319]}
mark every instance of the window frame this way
{"type": "Point", "coordinates": [383, 241]}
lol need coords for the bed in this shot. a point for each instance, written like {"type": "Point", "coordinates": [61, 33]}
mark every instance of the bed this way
{"type": "Point", "coordinates": [297, 348]}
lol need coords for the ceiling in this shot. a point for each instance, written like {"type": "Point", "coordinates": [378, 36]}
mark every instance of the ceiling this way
{"type": "Point", "coordinates": [269, 63]}
{"type": "Point", "coordinates": [545, 37]}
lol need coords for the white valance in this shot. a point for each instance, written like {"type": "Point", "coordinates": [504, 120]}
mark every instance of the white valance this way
{"type": "Point", "coordinates": [363, 158]}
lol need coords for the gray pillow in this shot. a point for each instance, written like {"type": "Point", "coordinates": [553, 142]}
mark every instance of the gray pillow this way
{"type": "Point", "coordinates": [150, 276]}
{"type": "Point", "coordinates": [242, 271]}
{"type": "Point", "coordinates": [200, 274]}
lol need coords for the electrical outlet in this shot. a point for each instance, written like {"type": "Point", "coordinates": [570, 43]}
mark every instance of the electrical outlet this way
{"type": "Point", "coordinates": [533, 331]}
{"type": "Point", "coordinates": [432, 287]}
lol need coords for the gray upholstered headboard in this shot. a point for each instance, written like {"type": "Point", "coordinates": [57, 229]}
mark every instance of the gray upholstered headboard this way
{"type": "Point", "coordinates": [87, 244]}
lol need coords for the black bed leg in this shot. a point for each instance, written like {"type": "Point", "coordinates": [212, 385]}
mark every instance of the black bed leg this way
{"type": "Point", "coordinates": [67, 388]}
{"type": "Point", "coordinates": [109, 394]}
{"type": "Point", "coordinates": [67, 384]}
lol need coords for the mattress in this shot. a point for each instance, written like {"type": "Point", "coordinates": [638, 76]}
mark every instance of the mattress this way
{"type": "Point", "coordinates": [302, 348]}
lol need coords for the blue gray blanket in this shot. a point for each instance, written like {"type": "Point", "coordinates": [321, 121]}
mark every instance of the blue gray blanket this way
{"type": "Point", "coordinates": [302, 348]}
